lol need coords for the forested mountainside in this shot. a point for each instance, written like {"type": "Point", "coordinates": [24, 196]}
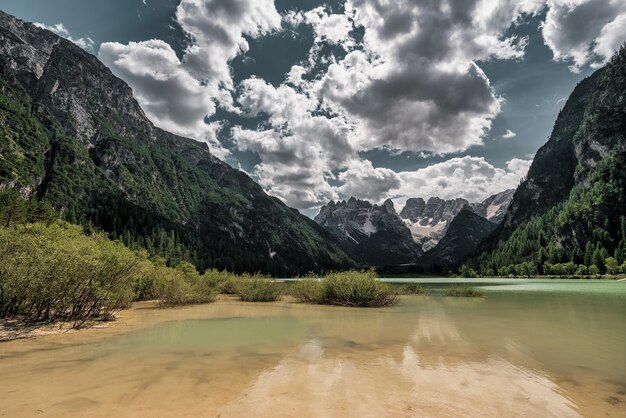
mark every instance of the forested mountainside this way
{"type": "Point", "coordinates": [570, 210]}
{"type": "Point", "coordinates": [73, 135]}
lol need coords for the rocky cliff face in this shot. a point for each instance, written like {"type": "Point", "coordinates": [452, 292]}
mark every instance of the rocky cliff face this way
{"type": "Point", "coordinates": [373, 233]}
{"type": "Point", "coordinates": [73, 134]}
{"type": "Point", "coordinates": [387, 237]}
{"type": "Point", "coordinates": [494, 208]}
{"type": "Point", "coordinates": [429, 221]}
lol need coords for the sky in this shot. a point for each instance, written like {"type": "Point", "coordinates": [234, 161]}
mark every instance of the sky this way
{"type": "Point", "coordinates": [323, 100]}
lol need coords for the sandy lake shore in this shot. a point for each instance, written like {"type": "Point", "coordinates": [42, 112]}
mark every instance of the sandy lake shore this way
{"type": "Point", "coordinates": [367, 364]}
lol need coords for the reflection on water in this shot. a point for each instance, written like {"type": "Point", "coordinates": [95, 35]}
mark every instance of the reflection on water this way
{"type": "Point", "coordinates": [521, 351]}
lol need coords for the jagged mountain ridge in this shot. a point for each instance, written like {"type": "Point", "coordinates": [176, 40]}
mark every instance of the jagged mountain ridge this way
{"type": "Point", "coordinates": [429, 221]}
{"type": "Point", "coordinates": [374, 234]}
{"type": "Point", "coordinates": [379, 235]}
{"type": "Point", "coordinates": [73, 134]}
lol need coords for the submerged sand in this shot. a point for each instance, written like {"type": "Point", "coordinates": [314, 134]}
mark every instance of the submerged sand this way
{"type": "Point", "coordinates": [323, 362]}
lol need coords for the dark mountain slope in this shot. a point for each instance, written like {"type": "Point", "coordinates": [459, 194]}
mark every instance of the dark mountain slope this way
{"type": "Point", "coordinates": [466, 231]}
{"type": "Point", "coordinates": [572, 205]}
{"type": "Point", "coordinates": [72, 134]}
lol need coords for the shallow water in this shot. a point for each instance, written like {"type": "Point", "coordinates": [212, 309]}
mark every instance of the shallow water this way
{"type": "Point", "coordinates": [529, 348]}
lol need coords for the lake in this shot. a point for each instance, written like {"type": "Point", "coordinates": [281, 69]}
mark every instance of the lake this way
{"type": "Point", "coordinates": [528, 348]}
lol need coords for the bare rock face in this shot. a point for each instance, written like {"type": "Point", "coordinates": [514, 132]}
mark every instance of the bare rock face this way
{"type": "Point", "coordinates": [429, 221]}
{"type": "Point", "coordinates": [494, 207]}
{"type": "Point", "coordinates": [382, 236]}
{"type": "Point", "coordinates": [373, 233]}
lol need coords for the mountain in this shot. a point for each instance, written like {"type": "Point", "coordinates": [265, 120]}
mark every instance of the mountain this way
{"type": "Point", "coordinates": [464, 234]}
{"type": "Point", "coordinates": [378, 235]}
{"type": "Point", "coordinates": [374, 234]}
{"type": "Point", "coordinates": [73, 135]}
{"type": "Point", "coordinates": [429, 221]}
{"type": "Point", "coordinates": [572, 205]}
{"type": "Point", "coordinates": [494, 208]}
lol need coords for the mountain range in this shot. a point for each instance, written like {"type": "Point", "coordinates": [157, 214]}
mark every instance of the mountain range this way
{"type": "Point", "coordinates": [378, 235]}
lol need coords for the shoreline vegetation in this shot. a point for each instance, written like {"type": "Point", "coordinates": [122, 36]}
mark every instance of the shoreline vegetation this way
{"type": "Point", "coordinates": [54, 272]}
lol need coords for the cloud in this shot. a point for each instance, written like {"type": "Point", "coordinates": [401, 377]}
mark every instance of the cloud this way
{"type": "Point", "coordinates": [472, 178]}
{"type": "Point", "coordinates": [411, 84]}
{"type": "Point", "coordinates": [85, 43]}
{"type": "Point", "coordinates": [363, 181]}
{"type": "Point", "coordinates": [217, 29]}
{"type": "Point", "coordinates": [415, 86]}
{"type": "Point", "coordinates": [509, 134]}
{"type": "Point", "coordinates": [332, 28]}
{"type": "Point", "coordinates": [584, 31]}
{"type": "Point", "coordinates": [299, 148]}
{"type": "Point", "coordinates": [170, 96]}
{"type": "Point", "coordinates": [178, 94]}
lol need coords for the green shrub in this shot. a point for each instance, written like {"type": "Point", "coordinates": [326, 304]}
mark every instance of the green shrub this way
{"type": "Point", "coordinates": [464, 291]}
{"type": "Point", "coordinates": [183, 286]}
{"type": "Point", "coordinates": [258, 288]}
{"type": "Point", "coordinates": [308, 290]}
{"type": "Point", "coordinates": [223, 281]}
{"type": "Point", "coordinates": [350, 288]}
{"type": "Point", "coordinates": [56, 272]}
{"type": "Point", "coordinates": [413, 289]}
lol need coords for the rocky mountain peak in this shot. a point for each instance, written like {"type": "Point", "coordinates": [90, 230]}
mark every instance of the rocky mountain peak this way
{"type": "Point", "coordinates": [388, 204]}
{"type": "Point", "coordinates": [373, 232]}
{"type": "Point", "coordinates": [413, 209]}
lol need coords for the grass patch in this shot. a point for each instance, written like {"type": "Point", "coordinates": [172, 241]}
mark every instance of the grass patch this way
{"type": "Point", "coordinates": [413, 289]}
{"type": "Point", "coordinates": [350, 288]}
{"type": "Point", "coordinates": [258, 288]}
{"type": "Point", "coordinates": [464, 291]}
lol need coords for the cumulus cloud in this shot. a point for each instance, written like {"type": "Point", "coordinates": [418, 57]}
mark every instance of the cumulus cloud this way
{"type": "Point", "coordinates": [584, 31]}
{"type": "Point", "coordinates": [417, 85]}
{"type": "Point", "coordinates": [217, 29]}
{"type": "Point", "coordinates": [299, 149]}
{"type": "Point", "coordinates": [472, 178]}
{"type": "Point", "coordinates": [332, 28]}
{"type": "Point", "coordinates": [170, 96]}
{"type": "Point", "coordinates": [363, 181]}
{"type": "Point", "coordinates": [85, 43]}
{"type": "Point", "coordinates": [509, 134]}
{"type": "Point", "coordinates": [411, 84]}
{"type": "Point", "coordinates": [178, 95]}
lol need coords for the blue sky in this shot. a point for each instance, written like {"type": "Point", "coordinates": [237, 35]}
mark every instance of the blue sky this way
{"type": "Point", "coordinates": [375, 99]}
